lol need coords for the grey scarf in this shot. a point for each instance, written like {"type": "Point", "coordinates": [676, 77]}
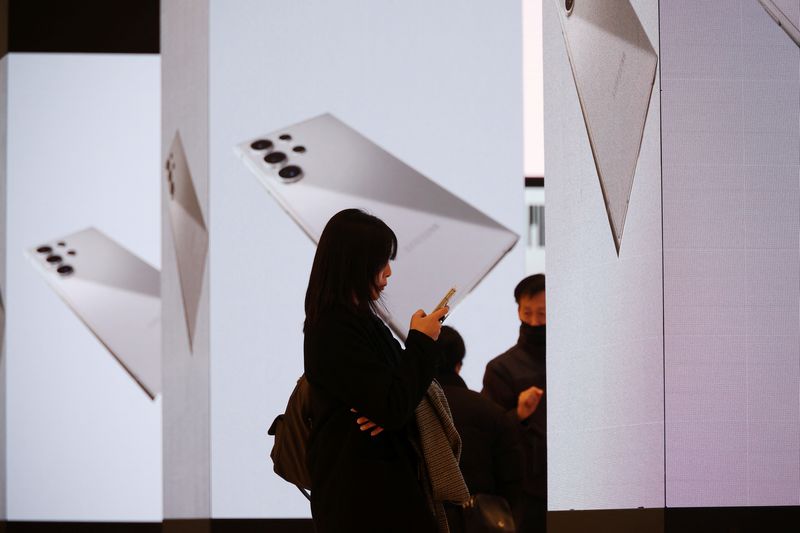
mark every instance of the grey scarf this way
{"type": "Point", "coordinates": [439, 447]}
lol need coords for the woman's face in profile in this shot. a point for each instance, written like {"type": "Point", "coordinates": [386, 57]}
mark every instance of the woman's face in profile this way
{"type": "Point", "coordinates": [381, 279]}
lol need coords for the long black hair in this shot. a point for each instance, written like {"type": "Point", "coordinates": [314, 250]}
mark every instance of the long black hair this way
{"type": "Point", "coordinates": [353, 249]}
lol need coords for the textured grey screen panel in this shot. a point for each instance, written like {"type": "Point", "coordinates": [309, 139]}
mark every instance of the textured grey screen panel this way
{"type": "Point", "coordinates": [184, 272]}
{"type": "Point", "coordinates": [731, 169]}
{"type": "Point", "coordinates": [605, 343]}
{"type": "Point", "coordinates": [3, 199]}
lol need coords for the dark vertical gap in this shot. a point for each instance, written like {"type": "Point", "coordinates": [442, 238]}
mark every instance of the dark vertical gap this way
{"type": "Point", "coordinates": [3, 28]}
{"type": "Point", "coordinates": [531, 219]}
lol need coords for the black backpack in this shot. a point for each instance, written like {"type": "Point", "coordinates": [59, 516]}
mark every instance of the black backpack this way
{"type": "Point", "coordinates": [292, 431]}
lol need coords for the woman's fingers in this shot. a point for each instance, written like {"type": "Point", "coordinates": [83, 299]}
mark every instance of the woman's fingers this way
{"type": "Point", "coordinates": [440, 313]}
{"type": "Point", "coordinates": [365, 424]}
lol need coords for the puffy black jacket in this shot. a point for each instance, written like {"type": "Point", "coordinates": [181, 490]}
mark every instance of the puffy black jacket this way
{"type": "Point", "coordinates": [360, 482]}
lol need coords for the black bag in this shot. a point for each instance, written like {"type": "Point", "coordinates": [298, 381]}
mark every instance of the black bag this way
{"type": "Point", "coordinates": [487, 513]}
{"type": "Point", "coordinates": [292, 431]}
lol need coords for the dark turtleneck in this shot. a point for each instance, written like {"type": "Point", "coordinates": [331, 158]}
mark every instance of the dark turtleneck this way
{"type": "Point", "coordinates": [532, 339]}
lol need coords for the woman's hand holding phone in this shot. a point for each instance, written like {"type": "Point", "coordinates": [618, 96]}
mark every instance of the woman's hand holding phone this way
{"type": "Point", "coordinates": [430, 324]}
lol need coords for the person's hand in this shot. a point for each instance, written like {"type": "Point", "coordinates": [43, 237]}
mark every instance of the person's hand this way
{"type": "Point", "coordinates": [528, 401]}
{"type": "Point", "coordinates": [367, 424]}
{"type": "Point", "coordinates": [430, 324]}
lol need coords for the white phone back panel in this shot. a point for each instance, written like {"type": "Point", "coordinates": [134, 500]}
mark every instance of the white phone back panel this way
{"type": "Point", "coordinates": [613, 66]}
{"type": "Point", "coordinates": [189, 232]}
{"type": "Point", "coordinates": [116, 294]}
{"type": "Point", "coordinates": [787, 14]}
{"type": "Point", "coordinates": [442, 240]}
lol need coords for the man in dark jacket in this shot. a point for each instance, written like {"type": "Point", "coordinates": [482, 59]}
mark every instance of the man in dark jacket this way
{"type": "Point", "coordinates": [516, 380]}
{"type": "Point", "coordinates": [491, 449]}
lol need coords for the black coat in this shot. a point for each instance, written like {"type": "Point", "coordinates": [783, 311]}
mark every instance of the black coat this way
{"type": "Point", "coordinates": [360, 482]}
{"type": "Point", "coordinates": [510, 373]}
{"type": "Point", "coordinates": [491, 450]}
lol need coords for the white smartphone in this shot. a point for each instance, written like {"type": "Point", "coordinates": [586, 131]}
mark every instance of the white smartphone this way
{"type": "Point", "coordinates": [321, 166]}
{"type": "Point", "coordinates": [115, 293]}
{"type": "Point", "coordinates": [189, 233]}
{"type": "Point", "coordinates": [444, 301]}
{"type": "Point", "coordinates": [787, 14]}
{"type": "Point", "coordinates": [614, 66]}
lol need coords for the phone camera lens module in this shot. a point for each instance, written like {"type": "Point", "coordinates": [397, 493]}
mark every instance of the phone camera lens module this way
{"type": "Point", "coordinates": [261, 144]}
{"type": "Point", "coordinates": [568, 5]}
{"type": "Point", "coordinates": [285, 137]}
{"type": "Point", "coordinates": [65, 270]}
{"type": "Point", "coordinates": [291, 173]}
{"type": "Point", "coordinates": [53, 258]}
{"type": "Point", "coordinates": [299, 149]}
{"type": "Point", "coordinates": [275, 157]}
{"type": "Point", "coordinates": [44, 249]}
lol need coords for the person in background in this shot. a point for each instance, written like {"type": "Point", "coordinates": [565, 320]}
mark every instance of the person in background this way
{"type": "Point", "coordinates": [516, 380]}
{"type": "Point", "coordinates": [491, 450]}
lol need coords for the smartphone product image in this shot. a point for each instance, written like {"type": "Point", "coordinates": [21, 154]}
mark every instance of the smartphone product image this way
{"type": "Point", "coordinates": [318, 167]}
{"type": "Point", "coordinates": [614, 66]}
{"type": "Point", "coordinates": [444, 301]}
{"type": "Point", "coordinates": [189, 232]}
{"type": "Point", "coordinates": [786, 13]}
{"type": "Point", "coordinates": [114, 293]}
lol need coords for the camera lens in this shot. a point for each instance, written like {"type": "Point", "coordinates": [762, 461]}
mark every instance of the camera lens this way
{"type": "Point", "coordinates": [65, 270]}
{"type": "Point", "coordinates": [261, 144]}
{"type": "Point", "coordinates": [290, 172]}
{"type": "Point", "coordinates": [44, 249]}
{"type": "Point", "coordinates": [299, 149]}
{"type": "Point", "coordinates": [285, 137]}
{"type": "Point", "coordinates": [53, 258]}
{"type": "Point", "coordinates": [275, 157]}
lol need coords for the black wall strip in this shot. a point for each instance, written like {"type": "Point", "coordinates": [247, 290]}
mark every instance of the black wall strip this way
{"type": "Point", "coordinates": [83, 26]}
{"type": "Point", "coordinates": [733, 519]}
{"type": "Point", "coordinates": [83, 527]}
{"type": "Point", "coordinates": [170, 526]}
{"type": "Point", "coordinates": [3, 27]}
{"type": "Point", "coordinates": [536, 181]}
{"type": "Point", "coordinates": [678, 520]}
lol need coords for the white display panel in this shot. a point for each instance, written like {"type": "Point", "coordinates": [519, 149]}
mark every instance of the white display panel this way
{"type": "Point", "coordinates": [604, 324]}
{"type": "Point", "coordinates": [84, 440]}
{"type": "Point", "coordinates": [3, 285]}
{"type": "Point", "coordinates": [731, 175]}
{"type": "Point", "coordinates": [418, 95]}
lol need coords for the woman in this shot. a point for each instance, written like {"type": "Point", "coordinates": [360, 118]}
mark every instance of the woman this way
{"type": "Point", "coordinates": [364, 387]}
